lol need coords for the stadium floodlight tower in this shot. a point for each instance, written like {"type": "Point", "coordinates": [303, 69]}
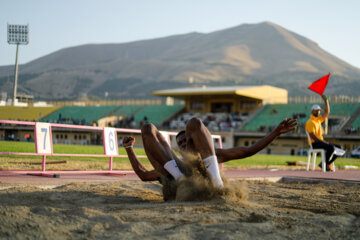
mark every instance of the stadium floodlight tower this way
{"type": "Point", "coordinates": [17, 34]}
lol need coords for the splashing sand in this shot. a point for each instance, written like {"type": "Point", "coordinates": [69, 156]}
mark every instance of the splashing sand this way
{"type": "Point", "coordinates": [197, 186]}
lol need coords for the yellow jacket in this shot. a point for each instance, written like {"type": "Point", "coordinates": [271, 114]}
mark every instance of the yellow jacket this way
{"type": "Point", "coordinates": [314, 125]}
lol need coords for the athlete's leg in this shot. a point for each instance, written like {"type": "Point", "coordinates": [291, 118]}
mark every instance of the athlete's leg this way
{"type": "Point", "coordinates": [158, 151]}
{"type": "Point", "coordinates": [199, 140]}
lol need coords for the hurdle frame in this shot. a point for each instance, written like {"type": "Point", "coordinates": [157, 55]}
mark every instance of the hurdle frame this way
{"type": "Point", "coordinates": [43, 172]}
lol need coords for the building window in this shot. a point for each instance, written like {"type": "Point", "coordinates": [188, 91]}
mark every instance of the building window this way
{"type": "Point", "coordinates": [197, 105]}
{"type": "Point", "coordinates": [221, 107]}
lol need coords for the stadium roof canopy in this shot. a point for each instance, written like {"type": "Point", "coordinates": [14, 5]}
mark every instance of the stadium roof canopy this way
{"type": "Point", "coordinates": [266, 93]}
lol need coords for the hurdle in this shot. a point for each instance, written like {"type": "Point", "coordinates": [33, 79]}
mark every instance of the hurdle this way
{"type": "Point", "coordinates": [44, 147]}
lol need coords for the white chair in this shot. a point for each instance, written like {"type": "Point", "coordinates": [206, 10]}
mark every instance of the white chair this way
{"type": "Point", "coordinates": [312, 153]}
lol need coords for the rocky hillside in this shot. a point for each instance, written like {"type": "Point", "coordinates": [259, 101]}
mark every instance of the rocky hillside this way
{"type": "Point", "coordinates": [248, 54]}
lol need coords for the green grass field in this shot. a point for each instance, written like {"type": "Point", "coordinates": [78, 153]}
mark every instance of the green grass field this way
{"type": "Point", "coordinates": [12, 162]}
{"type": "Point", "coordinates": [256, 161]}
{"type": "Point", "coordinates": [29, 147]}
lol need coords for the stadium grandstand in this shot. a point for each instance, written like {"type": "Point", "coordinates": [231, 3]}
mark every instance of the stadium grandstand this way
{"type": "Point", "coordinates": [353, 125]}
{"type": "Point", "coordinates": [157, 114]}
{"type": "Point", "coordinates": [356, 123]}
{"type": "Point", "coordinates": [242, 99]}
{"type": "Point", "coordinates": [273, 114]}
{"type": "Point", "coordinates": [118, 116]}
{"type": "Point", "coordinates": [241, 115]}
{"type": "Point", "coordinates": [25, 113]}
{"type": "Point", "coordinates": [127, 110]}
{"type": "Point", "coordinates": [79, 115]}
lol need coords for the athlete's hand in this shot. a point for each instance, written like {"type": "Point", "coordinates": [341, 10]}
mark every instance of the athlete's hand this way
{"type": "Point", "coordinates": [287, 125]}
{"type": "Point", "coordinates": [128, 142]}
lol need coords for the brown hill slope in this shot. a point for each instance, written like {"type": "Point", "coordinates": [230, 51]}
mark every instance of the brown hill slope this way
{"type": "Point", "coordinates": [263, 53]}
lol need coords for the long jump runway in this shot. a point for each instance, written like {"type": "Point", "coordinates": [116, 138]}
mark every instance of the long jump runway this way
{"type": "Point", "coordinates": [274, 175]}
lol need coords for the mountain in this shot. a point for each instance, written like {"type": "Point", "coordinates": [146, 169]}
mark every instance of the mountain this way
{"type": "Point", "coordinates": [263, 53]}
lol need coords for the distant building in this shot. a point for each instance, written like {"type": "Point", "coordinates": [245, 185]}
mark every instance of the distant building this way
{"type": "Point", "coordinates": [25, 98]}
{"type": "Point", "coordinates": [242, 99]}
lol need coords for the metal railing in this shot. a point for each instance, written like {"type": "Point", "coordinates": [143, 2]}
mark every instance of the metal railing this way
{"type": "Point", "coordinates": [44, 146]}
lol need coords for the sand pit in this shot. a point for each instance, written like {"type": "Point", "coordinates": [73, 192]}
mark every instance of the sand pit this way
{"type": "Point", "coordinates": [136, 210]}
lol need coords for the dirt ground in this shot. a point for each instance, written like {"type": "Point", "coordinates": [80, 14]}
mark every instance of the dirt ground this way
{"type": "Point", "coordinates": [136, 210]}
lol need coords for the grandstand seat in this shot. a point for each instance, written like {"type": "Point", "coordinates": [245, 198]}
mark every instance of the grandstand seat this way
{"type": "Point", "coordinates": [312, 153]}
{"type": "Point", "coordinates": [272, 114]}
{"type": "Point", "coordinates": [156, 114]}
{"type": "Point", "coordinates": [79, 114]}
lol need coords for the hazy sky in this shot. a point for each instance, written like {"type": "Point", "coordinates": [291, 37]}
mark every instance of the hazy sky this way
{"type": "Point", "coordinates": [57, 24]}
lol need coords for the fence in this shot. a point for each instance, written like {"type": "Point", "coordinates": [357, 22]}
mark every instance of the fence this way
{"type": "Point", "coordinates": [318, 99]}
{"type": "Point", "coordinates": [44, 146]}
{"type": "Point", "coordinates": [121, 102]}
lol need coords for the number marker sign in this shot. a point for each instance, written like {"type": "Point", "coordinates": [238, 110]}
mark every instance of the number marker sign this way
{"type": "Point", "coordinates": [110, 142]}
{"type": "Point", "coordinates": [43, 138]}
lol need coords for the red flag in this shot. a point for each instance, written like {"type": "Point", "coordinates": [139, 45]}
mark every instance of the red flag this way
{"type": "Point", "coordinates": [319, 85]}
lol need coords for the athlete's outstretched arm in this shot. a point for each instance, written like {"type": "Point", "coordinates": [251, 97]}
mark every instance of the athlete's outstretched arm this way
{"type": "Point", "coordinates": [139, 168]}
{"type": "Point", "coordinates": [225, 155]}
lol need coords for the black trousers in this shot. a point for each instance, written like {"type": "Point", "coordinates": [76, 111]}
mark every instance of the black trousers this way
{"type": "Point", "coordinates": [329, 149]}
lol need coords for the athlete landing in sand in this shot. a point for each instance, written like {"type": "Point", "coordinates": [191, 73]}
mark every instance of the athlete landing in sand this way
{"type": "Point", "coordinates": [196, 140]}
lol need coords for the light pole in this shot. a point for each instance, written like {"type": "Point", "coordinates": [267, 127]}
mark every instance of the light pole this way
{"type": "Point", "coordinates": [17, 34]}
